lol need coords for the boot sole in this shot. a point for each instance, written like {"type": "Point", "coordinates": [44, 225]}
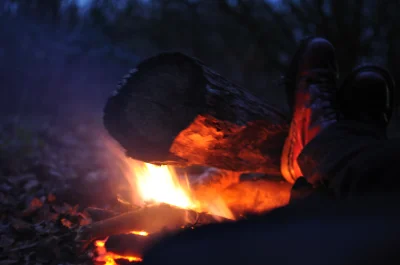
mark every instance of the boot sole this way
{"type": "Point", "coordinates": [375, 68]}
{"type": "Point", "coordinates": [287, 167]}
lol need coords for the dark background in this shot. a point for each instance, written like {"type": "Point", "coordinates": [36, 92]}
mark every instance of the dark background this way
{"type": "Point", "coordinates": [62, 55]}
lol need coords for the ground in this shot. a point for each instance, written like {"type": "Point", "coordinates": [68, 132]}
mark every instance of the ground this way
{"type": "Point", "coordinates": [50, 171]}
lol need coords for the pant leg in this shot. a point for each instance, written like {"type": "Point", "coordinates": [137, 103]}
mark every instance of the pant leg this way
{"type": "Point", "coordinates": [352, 158]}
{"type": "Point", "coordinates": [363, 232]}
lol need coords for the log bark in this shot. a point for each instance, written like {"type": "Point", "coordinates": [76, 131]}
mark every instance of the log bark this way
{"type": "Point", "coordinates": [172, 109]}
{"type": "Point", "coordinates": [151, 219]}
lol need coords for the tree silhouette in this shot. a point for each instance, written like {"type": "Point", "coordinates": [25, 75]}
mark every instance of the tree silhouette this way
{"type": "Point", "coordinates": [250, 42]}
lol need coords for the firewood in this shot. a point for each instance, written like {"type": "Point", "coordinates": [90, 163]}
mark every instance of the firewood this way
{"type": "Point", "coordinates": [151, 219]}
{"type": "Point", "coordinates": [251, 196]}
{"type": "Point", "coordinates": [174, 110]}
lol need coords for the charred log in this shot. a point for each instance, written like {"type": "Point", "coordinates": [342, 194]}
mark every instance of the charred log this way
{"type": "Point", "coordinates": [172, 109]}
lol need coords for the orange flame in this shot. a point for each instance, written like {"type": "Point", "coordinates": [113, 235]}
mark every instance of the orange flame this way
{"type": "Point", "coordinates": [161, 184]}
{"type": "Point", "coordinates": [157, 184]}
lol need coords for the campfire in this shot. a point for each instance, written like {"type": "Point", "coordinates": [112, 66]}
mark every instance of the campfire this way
{"type": "Point", "coordinates": [199, 118]}
{"type": "Point", "coordinates": [170, 116]}
{"type": "Point", "coordinates": [164, 200]}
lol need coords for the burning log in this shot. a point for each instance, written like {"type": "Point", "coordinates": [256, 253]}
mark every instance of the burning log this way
{"type": "Point", "coordinates": [174, 110]}
{"type": "Point", "coordinates": [150, 219]}
{"type": "Point", "coordinates": [250, 196]}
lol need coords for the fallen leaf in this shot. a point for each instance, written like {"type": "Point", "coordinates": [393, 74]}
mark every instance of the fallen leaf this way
{"type": "Point", "coordinates": [20, 225]}
{"type": "Point", "coordinates": [24, 246]}
{"type": "Point", "coordinates": [66, 223]}
{"type": "Point", "coordinates": [31, 185]}
{"type": "Point", "coordinates": [51, 197]}
{"type": "Point", "coordinates": [35, 205]}
{"type": "Point", "coordinates": [21, 179]}
{"type": "Point", "coordinates": [6, 241]}
{"type": "Point", "coordinates": [4, 187]}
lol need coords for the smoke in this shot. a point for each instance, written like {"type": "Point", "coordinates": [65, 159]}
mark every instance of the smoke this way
{"type": "Point", "coordinates": [50, 70]}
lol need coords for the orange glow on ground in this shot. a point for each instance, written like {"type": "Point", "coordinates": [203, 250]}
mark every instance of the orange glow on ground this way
{"type": "Point", "coordinates": [108, 258]}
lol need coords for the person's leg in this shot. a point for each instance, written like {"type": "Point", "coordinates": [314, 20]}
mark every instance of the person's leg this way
{"type": "Point", "coordinates": [356, 232]}
{"type": "Point", "coordinates": [311, 91]}
{"type": "Point", "coordinates": [353, 156]}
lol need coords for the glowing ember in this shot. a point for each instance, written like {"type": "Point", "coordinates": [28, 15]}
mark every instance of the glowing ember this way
{"type": "Point", "coordinates": [140, 233]}
{"type": "Point", "coordinates": [108, 258]}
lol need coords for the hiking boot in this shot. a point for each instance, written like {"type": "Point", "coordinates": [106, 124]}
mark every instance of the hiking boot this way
{"type": "Point", "coordinates": [367, 96]}
{"type": "Point", "coordinates": [311, 91]}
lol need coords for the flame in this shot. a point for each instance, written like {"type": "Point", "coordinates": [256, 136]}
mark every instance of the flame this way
{"type": "Point", "coordinates": [161, 184]}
